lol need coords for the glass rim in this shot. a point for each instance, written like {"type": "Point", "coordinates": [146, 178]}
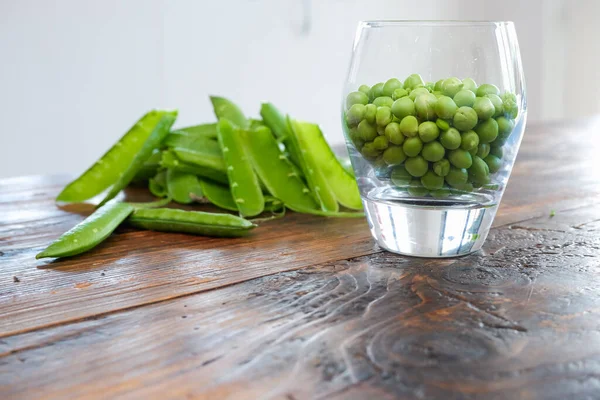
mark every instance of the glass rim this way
{"type": "Point", "coordinates": [375, 23]}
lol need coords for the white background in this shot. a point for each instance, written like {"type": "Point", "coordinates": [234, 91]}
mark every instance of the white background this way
{"type": "Point", "coordinates": [76, 74]}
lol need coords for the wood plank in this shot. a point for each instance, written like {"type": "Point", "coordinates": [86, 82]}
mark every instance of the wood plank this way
{"type": "Point", "coordinates": [134, 268]}
{"type": "Point", "coordinates": [516, 321]}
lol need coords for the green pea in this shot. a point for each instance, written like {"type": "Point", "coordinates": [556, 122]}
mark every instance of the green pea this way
{"type": "Point", "coordinates": [413, 81]}
{"type": "Point", "coordinates": [443, 125]}
{"type": "Point", "coordinates": [493, 162]}
{"type": "Point", "coordinates": [451, 86]}
{"type": "Point", "coordinates": [380, 143]}
{"type": "Point", "coordinates": [484, 108]}
{"type": "Point", "coordinates": [416, 188]}
{"type": "Point", "coordinates": [465, 119]}
{"type": "Point", "coordinates": [381, 130]}
{"type": "Point", "coordinates": [460, 158]}
{"type": "Point", "coordinates": [469, 84]}
{"type": "Point", "coordinates": [483, 150]}
{"type": "Point", "coordinates": [391, 85]}
{"type": "Point", "coordinates": [425, 106]}
{"type": "Point", "coordinates": [432, 181]}
{"type": "Point", "coordinates": [438, 86]}
{"type": "Point", "coordinates": [479, 171]}
{"type": "Point", "coordinates": [437, 94]}
{"type": "Point", "coordinates": [505, 126]}
{"type": "Point", "coordinates": [400, 176]}
{"type": "Point", "coordinates": [393, 133]}
{"type": "Point", "coordinates": [445, 107]}
{"type": "Point", "coordinates": [370, 112]}
{"type": "Point", "coordinates": [457, 176]}
{"type": "Point", "coordinates": [428, 131]}
{"type": "Point", "coordinates": [430, 86]}
{"type": "Point", "coordinates": [376, 91]}
{"type": "Point", "coordinates": [442, 167]}
{"type": "Point", "coordinates": [496, 151]}
{"type": "Point", "coordinates": [469, 140]}
{"type": "Point", "coordinates": [409, 126]}
{"type": "Point", "coordinates": [399, 93]}
{"type": "Point", "coordinates": [473, 151]}
{"type": "Point", "coordinates": [412, 146]}
{"type": "Point", "coordinates": [497, 102]}
{"type": "Point", "coordinates": [383, 101]}
{"type": "Point", "coordinates": [383, 115]}
{"type": "Point", "coordinates": [487, 131]}
{"type": "Point", "coordinates": [416, 166]}
{"type": "Point", "coordinates": [466, 187]}
{"type": "Point", "coordinates": [487, 88]}
{"type": "Point", "coordinates": [402, 107]}
{"type": "Point", "coordinates": [451, 139]}
{"type": "Point", "coordinates": [394, 155]}
{"type": "Point", "coordinates": [356, 98]}
{"type": "Point", "coordinates": [355, 114]}
{"type": "Point", "coordinates": [433, 151]}
{"type": "Point", "coordinates": [511, 109]}
{"type": "Point", "coordinates": [367, 131]}
{"type": "Point", "coordinates": [440, 193]}
{"type": "Point", "coordinates": [465, 98]}
{"type": "Point", "coordinates": [417, 92]}
{"type": "Point", "coordinates": [369, 151]}
{"type": "Point", "coordinates": [365, 89]}
{"type": "Point", "coordinates": [509, 96]}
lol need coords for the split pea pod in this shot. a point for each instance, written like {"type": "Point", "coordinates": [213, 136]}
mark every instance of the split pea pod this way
{"type": "Point", "coordinates": [224, 108]}
{"type": "Point", "coordinates": [278, 124]}
{"type": "Point", "coordinates": [316, 151]}
{"type": "Point", "coordinates": [90, 232]}
{"type": "Point", "coordinates": [194, 222]}
{"type": "Point", "coordinates": [275, 170]}
{"type": "Point", "coordinates": [181, 186]}
{"type": "Point", "coordinates": [243, 181]}
{"type": "Point", "coordinates": [171, 161]}
{"type": "Point", "coordinates": [121, 162]}
{"type": "Point", "coordinates": [218, 195]}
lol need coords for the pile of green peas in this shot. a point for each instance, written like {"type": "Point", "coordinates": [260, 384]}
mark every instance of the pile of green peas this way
{"type": "Point", "coordinates": [434, 138]}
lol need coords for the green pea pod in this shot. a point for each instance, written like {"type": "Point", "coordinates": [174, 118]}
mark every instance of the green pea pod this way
{"type": "Point", "coordinates": [117, 167]}
{"type": "Point", "coordinates": [158, 184]}
{"type": "Point", "coordinates": [347, 165]}
{"type": "Point", "coordinates": [182, 185]}
{"type": "Point", "coordinates": [171, 161]}
{"type": "Point", "coordinates": [277, 122]}
{"type": "Point", "coordinates": [200, 158]}
{"type": "Point", "coordinates": [150, 204]}
{"type": "Point", "coordinates": [273, 204]}
{"type": "Point", "coordinates": [243, 182]}
{"type": "Point", "coordinates": [149, 169]}
{"type": "Point", "coordinates": [194, 222]}
{"type": "Point", "coordinates": [313, 172]}
{"type": "Point", "coordinates": [338, 214]}
{"type": "Point", "coordinates": [208, 131]}
{"type": "Point", "coordinates": [224, 108]}
{"type": "Point", "coordinates": [219, 195]}
{"type": "Point", "coordinates": [90, 232]}
{"type": "Point", "coordinates": [275, 170]}
{"type": "Point", "coordinates": [316, 150]}
{"type": "Point", "coordinates": [189, 141]}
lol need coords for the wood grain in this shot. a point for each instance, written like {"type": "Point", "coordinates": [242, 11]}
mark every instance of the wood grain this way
{"type": "Point", "coordinates": [518, 321]}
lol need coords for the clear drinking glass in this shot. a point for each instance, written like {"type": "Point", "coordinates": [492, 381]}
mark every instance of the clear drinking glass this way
{"type": "Point", "coordinates": [459, 83]}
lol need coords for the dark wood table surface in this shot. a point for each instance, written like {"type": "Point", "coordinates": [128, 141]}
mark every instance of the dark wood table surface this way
{"type": "Point", "coordinates": [310, 307]}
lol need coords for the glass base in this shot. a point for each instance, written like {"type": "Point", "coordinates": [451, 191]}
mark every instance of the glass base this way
{"type": "Point", "coordinates": [439, 228]}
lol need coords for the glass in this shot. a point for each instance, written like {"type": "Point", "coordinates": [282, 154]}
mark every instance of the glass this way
{"type": "Point", "coordinates": [431, 150]}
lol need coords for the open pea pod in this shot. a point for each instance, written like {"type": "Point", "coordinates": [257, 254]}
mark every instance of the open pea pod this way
{"type": "Point", "coordinates": [158, 184]}
{"type": "Point", "coordinates": [170, 160]}
{"type": "Point", "coordinates": [118, 166]}
{"type": "Point", "coordinates": [319, 156]}
{"type": "Point", "coordinates": [187, 140]}
{"type": "Point", "coordinates": [219, 195]}
{"type": "Point", "coordinates": [275, 170]}
{"type": "Point", "coordinates": [207, 131]}
{"type": "Point", "coordinates": [278, 124]}
{"type": "Point", "coordinates": [181, 186]}
{"type": "Point", "coordinates": [243, 181]}
{"type": "Point", "coordinates": [202, 158]}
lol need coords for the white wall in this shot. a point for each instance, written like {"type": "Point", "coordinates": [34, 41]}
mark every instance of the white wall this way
{"type": "Point", "coordinates": [75, 74]}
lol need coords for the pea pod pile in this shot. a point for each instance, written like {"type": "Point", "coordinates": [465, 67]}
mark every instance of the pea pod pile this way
{"type": "Point", "coordinates": [241, 165]}
{"type": "Point", "coordinates": [432, 138]}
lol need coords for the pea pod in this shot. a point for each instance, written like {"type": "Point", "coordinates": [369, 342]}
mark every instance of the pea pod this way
{"type": "Point", "coordinates": [187, 140]}
{"type": "Point", "coordinates": [149, 169]}
{"type": "Point", "coordinates": [205, 158]}
{"type": "Point", "coordinates": [208, 131]}
{"type": "Point", "coordinates": [158, 184]}
{"type": "Point", "coordinates": [194, 222]}
{"type": "Point", "coordinates": [224, 108]}
{"type": "Point", "coordinates": [243, 182]}
{"type": "Point", "coordinates": [320, 158]}
{"type": "Point", "coordinates": [182, 185]}
{"type": "Point", "coordinates": [171, 161]}
{"type": "Point", "coordinates": [117, 167]}
{"type": "Point", "coordinates": [278, 124]}
{"type": "Point", "coordinates": [217, 194]}
{"type": "Point", "coordinates": [275, 170]}
{"type": "Point", "coordinates": [90, 232]}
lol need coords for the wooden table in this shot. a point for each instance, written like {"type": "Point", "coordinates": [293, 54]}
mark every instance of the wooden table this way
{"type": "Point", "coordinates": [311, 307]}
